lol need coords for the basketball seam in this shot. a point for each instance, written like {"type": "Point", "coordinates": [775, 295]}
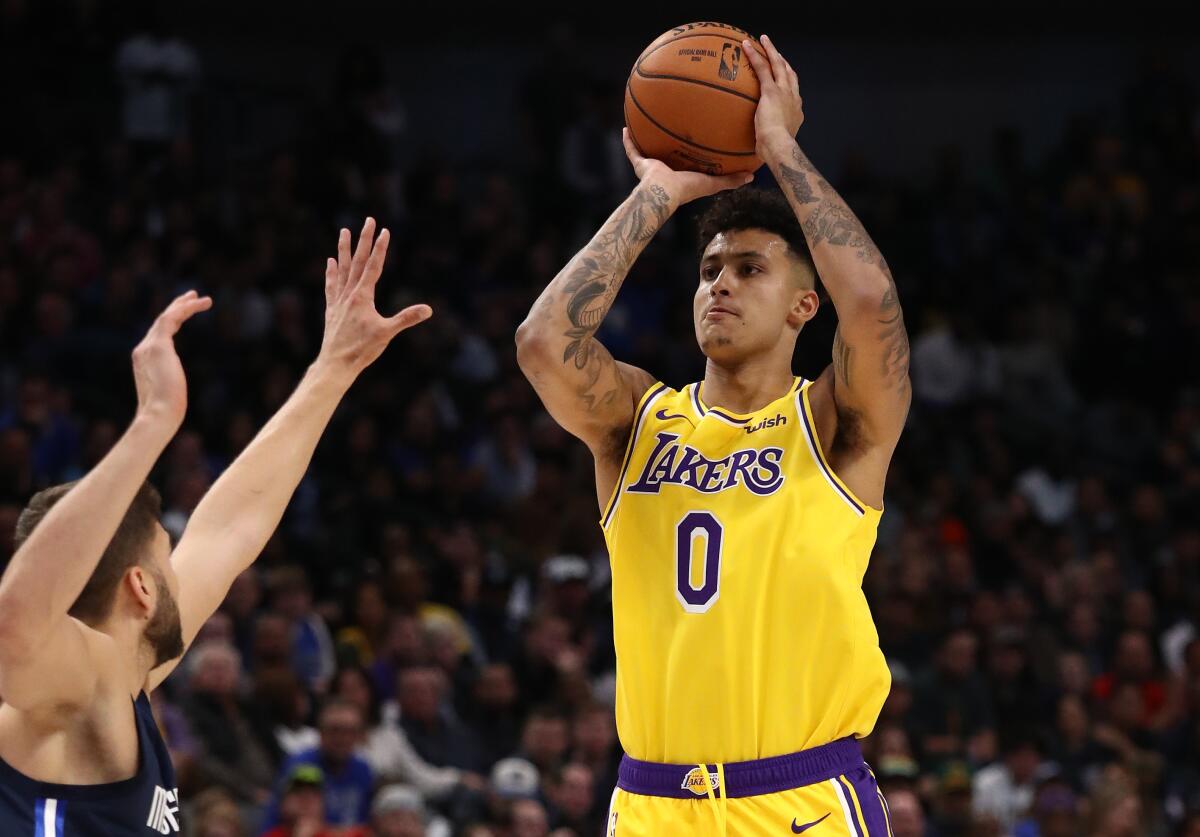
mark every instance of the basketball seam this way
{"type": "Point", "coordinates": [638, 68]}
{"type": "Point", "coordinates": [676, 136]}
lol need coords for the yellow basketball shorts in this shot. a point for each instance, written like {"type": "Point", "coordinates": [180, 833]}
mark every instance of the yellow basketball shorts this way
{"type": "Point", "coordinates": [821, 792]}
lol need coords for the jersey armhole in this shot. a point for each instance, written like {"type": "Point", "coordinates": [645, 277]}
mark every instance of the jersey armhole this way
{"type": "Point", "coordinates": [804, 408]}
{"type": "Point", "coordinates": [643, 409]}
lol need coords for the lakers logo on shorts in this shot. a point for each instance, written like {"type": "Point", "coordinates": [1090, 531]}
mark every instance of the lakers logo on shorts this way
{"type": "Point", "coordinates": [694, 782]}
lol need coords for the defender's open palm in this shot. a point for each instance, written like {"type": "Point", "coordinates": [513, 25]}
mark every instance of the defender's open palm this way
{"type": "Point", "coordinates": [682, 186]}
{"type": "Point", "coordinates": [157, 372]}
{"type": "Point", "coordinates": [355, 333]}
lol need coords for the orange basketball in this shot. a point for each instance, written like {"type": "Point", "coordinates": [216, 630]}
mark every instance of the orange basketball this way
{"type": "Point", "coordinates": [691, 97]}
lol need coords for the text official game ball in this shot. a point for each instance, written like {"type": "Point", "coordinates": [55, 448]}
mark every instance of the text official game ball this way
{"type": "Point", "coordinates": [691, 97]}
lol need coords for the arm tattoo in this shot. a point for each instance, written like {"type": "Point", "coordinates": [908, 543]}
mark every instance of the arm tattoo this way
{"type": "Point", "coordinates": [828, 220]}
{"type": "Point", "coordinates": [841, 358]}
{"type": "Point", "coordinates": [894, 338]}
{"type": "Point", "coordinates": [594, 280]}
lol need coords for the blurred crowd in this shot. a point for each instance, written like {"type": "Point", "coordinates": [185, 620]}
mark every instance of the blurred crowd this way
{"type": "Point", "coordinates": [425, 646]}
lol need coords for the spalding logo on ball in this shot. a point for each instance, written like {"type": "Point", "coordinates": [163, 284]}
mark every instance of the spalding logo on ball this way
{"type": "Point", "coordinates": [690, 100]}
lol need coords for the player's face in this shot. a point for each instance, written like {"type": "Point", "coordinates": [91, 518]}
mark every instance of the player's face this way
{"type": "Point", "coordinates": [749, 298]}
{"type": "Point", "coordinates": [164, 632]}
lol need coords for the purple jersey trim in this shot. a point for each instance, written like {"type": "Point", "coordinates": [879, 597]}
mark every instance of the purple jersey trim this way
{"type": "Point", "coordinates": [820, 455]}
{"type": "Point", "coordinates": [650, 397]}
{"type": "Point", "coordinates": [745, 778]}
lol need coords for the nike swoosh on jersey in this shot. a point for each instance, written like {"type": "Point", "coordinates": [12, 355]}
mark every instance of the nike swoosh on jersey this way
{"type": "Point", "coordinates": [799, 829]}
{"type": "Point", "coordinates": [662, 415]}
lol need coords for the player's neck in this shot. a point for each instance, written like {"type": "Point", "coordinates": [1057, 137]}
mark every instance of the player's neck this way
{"type": "Point", "coordinates": [745, 388]}
{"type": "Point", "coordinates": [134, 657]}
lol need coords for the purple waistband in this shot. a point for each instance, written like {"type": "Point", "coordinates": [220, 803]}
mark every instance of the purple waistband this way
{"type": "Point", "coordinates": [742, 778]}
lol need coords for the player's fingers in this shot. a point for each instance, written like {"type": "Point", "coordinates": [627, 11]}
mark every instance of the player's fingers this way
{"type": "Point", "coordinates": [631, 150]}
{"type": "Point", "coordinates": [362, 251]}
{"type": "Point", "coordinates": [375, 261]}
{"type": "Point", "coordinates": [179, 312]}
{"type": "Point", "coordinates": [778, 65]}
{"type": "Point", "coordinates": [409, 317]}
{"type": "Point", "coordinates": [343, 259]}
{"type": "Point", "coordinates": [758, 63]}
{"type": "Point", "coordinates": [172, 312]}
{"type": "Point", "coordinates": [732, 181]}
{"type": "Point", "coordinates": [331, 280]}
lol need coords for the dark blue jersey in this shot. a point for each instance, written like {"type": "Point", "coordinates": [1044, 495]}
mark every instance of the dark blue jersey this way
{"type": "Point", "coordinates": [145, 804]}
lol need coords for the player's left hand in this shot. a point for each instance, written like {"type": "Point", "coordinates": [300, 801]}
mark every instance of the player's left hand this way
{"type": "Point", "coordinates": [355, 332]}
{"type": "Point", "coordinates": [780, 111]}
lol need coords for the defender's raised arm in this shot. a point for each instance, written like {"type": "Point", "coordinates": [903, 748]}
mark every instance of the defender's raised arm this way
{"type": "Point", "coordinates": [46, 657]}
{"type": "Point", "coordinates": [238, 514]}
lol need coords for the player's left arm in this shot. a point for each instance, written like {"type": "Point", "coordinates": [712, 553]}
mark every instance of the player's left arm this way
{"type": "Point", "coordinates": [869, 373]}
{"type": "Point", "coordinates": [231, 525]}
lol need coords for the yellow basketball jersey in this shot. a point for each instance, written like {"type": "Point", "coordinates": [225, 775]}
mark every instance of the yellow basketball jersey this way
{"type": "Point", "coordinates": [741, 628]}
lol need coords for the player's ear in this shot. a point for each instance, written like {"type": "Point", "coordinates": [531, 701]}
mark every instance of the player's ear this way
{"type": "Point", "coordinates": [805, 304]}
{"type": "Point", "coordinates": [141, 585]}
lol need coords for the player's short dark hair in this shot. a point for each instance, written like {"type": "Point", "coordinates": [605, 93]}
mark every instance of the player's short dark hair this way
{"type": "Point", "coordinates": [129, 544]}
{"type": "Point", "coordinates": [750, 208]}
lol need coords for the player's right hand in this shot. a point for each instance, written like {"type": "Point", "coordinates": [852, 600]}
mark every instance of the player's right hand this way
{"type": "Point", "coordinates": [682, 186]}
{"type": "Point", "coordinates": [157, 371]}
{"type": "Point", "coordinates": [355, 332]}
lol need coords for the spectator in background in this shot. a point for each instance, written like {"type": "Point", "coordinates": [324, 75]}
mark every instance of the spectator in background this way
{"type": "Point", "coordinates": [347, 780]}
{"type": "Point", "coordinates": [302, 808]}
{"type": "Point", "coordinates": [283, 707]}
{"type": "Point", "coordinates": [492, 711]}
{"type": "Point", "coordinates": [430, 724]}
{"type": "Point", "coordinates": [594, 744]}
{"type": "Point", "coordinates": [905, 815]}
{"type": "Point", "coordinates": [546, 648]}
{"type": "Point", "coordinates": [213, 813]}
{"type": "Point", "coordinates": [528, 819]}
{"type": "Point", "coordinates": [403, 647]}
{"type": "Point", "coordinates": [1004, 790]}
{"type": "Point", "coordinates": [1115, 811]}
{"type": "Point", "coordinates": [545, 739]}
{"type": "Point", "coordinates": [952, 707]}
{"type": "Point", "coordinates": [511, 780]}
{"type": "Point", "coordinates": [158, 73]}
{"type": "Point", "coordinates": [365, 636]}
{"type": "Point", "coordinates": [398, 811]}
{"type": "Point", "coordinates": [1133, 663]}
{"type": "Point", "coordinates": [571, 792]}
{"type": "Point", "coordinates": [311, 644]}
{"type": "Point", "coordinates": [387, 749]}
{"type": "Point", "coordinates": [231, 756]}
{"type": "Point", "coordinates": [1055, 812]}
{"type": "Point", "coordinates": [1076, 749]}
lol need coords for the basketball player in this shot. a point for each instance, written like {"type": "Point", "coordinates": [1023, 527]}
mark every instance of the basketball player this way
{"type": "Point", "coordinates": [95, 607]}
{"type": "Point", "coordinates": [739, 511]}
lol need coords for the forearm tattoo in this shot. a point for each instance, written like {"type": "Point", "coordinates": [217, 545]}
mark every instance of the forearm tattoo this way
{"type": "Point", "coordinates": [596, 276]}
{"type": "Point", "coordinates": [827, 220]}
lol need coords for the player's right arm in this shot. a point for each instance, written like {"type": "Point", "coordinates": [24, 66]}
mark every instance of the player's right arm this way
{"type": "Point", "coordinates": [589, 393]}
{"type": "Point", "coordinates": [47, 657]}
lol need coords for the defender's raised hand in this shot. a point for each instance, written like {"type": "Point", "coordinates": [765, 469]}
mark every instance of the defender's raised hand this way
{"type": "Point", "coordinates": [157, 371]}
{"type": "Point", "coordinates": [681, 186]}
{"type": "Point", "coordinates": [780, 111]}
{"type": "Point", "coordinates": [355, 332]}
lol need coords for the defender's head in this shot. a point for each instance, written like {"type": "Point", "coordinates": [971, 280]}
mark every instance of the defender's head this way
{"type": "Point", "coordinates": [134, 579]}
{"type": "Point", "coordinates": [757, 281]}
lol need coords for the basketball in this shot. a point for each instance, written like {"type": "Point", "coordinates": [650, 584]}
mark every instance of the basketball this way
{"type": "Point", "coordinates": [690, 100]}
